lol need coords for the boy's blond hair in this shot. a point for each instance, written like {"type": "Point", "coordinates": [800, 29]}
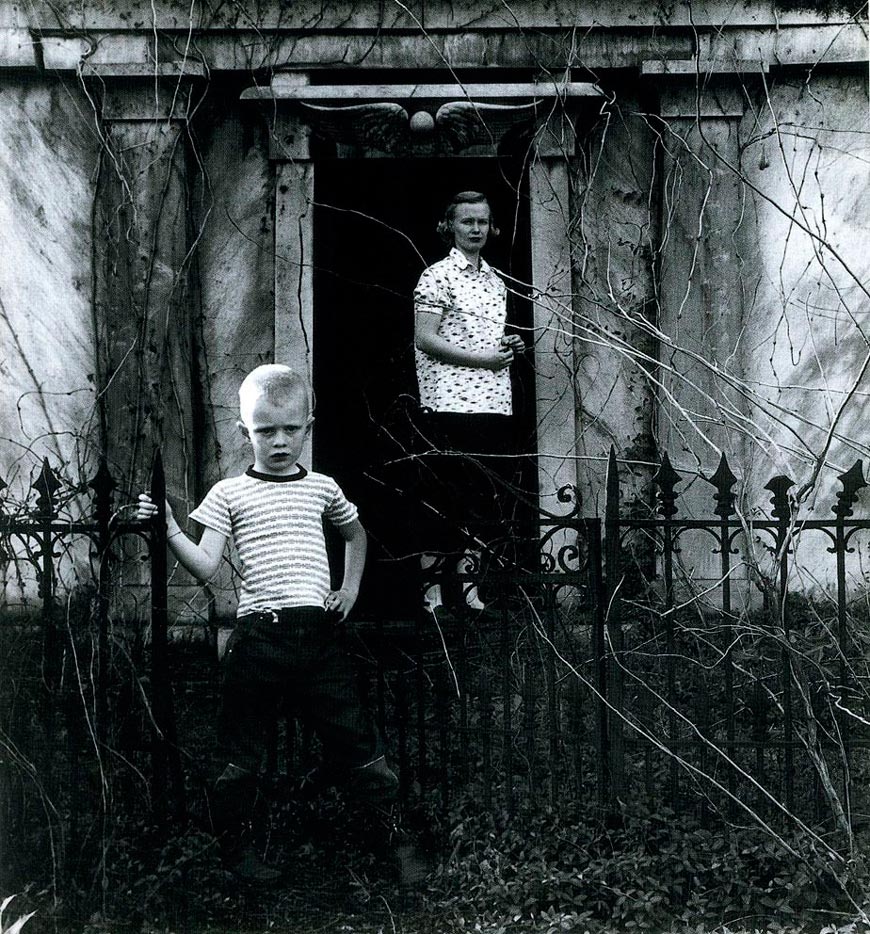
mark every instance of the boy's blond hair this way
{"type": "Point", "coordinates": [275, 382]}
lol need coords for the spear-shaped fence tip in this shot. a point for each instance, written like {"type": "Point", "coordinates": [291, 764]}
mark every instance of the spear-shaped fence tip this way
{"type": "Point", "coordinates": [723, 480]}
{"type": "Point", "coordinates": [102, 483]}
{"type": "Point", "coordinates": [852, 481]}
{"type": "Point", "coordinates": [46, 485]}
{"type": "Point", "coordinates": [666, 478]}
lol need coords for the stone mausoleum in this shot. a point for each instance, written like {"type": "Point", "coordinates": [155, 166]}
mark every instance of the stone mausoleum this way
{"type": "Point", "coordinates": [190, 189]}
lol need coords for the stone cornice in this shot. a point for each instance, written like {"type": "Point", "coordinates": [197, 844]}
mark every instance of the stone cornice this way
{"type": "Point", "coordinates": [371, 16]}
{"type": "Point", "coordinates": [554, 45]}
{"type": "Point", "coordinates": [701, 67]}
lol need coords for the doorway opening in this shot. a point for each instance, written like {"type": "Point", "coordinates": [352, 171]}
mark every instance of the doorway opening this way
{"type": "Point", "coordinates": [374, 233]}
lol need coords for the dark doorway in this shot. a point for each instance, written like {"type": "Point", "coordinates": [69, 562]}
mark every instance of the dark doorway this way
{"type": "Point", "coordinates": [374, 232]}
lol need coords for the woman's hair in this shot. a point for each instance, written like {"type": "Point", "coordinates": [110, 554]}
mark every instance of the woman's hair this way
{"type": "Point", "coordinates": [463, 197]}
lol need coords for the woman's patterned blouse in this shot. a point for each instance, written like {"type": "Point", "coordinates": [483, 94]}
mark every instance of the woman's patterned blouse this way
{"type": "Point", "coordinates": [472, 304]}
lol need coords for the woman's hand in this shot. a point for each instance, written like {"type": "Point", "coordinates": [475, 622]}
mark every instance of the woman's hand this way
{"type": "Point", "coordinates": [514, 341]}
{"type": "Point", "coordinates": [497, 359]}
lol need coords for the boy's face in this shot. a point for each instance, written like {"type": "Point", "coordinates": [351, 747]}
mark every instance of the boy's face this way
{"type": "Point", "coordinates": [277, 432]}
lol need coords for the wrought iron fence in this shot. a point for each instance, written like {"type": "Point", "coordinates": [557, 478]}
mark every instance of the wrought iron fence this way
{"type": "Point", "coordinates": [69, 674]}
{"type": "Point", "coordinates": [778, 688]}
{"type": "Point", "coordinates": [594, 676]}
{"type": "Point", "coordinates": [602, 676]}
{"type": "Point", "coordinates": [506, 699]}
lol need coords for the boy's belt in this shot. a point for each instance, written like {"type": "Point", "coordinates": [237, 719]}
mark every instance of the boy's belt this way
{"type": "Point", "coordinates": [290, 614]}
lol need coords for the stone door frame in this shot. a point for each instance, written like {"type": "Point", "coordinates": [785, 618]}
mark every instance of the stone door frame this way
{"type": "Point", "coordinates": [369, 121]}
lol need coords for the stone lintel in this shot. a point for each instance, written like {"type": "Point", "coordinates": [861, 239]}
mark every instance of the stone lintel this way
{"type": "Point", "coordinates": [416, 15]}
{"type": "Point", "coordinates": [284, 88]}
{"type": "Point", "coordinates": [147, 70]}
{"type": "Point", "coordinates": [616, 46]}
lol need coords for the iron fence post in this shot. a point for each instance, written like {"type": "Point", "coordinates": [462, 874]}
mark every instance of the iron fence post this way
{"type": "Point", "coordinates": [608, 620]}
{"type": "Point", "coordinates": [724, 480]}
{"type": "Point", "coordinates": [782, 512]}
{"type": "Point", "coordinates": [667, 478]}
{"type": "Point", "coordinates": [852, 481]}
{"type": "Point", "coordinates": [165, 759]}
{"type": "Point", "coordinates": [159, 667]}
{"type": "Point", "coordinates": [553, 718]}
{"type": "Point", "coordinates": [46, 485]}
{"type": "Point", "coordinates": [102, 485]}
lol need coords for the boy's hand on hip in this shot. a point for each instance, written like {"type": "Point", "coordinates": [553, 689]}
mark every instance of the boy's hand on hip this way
{"type": "Point", "coordinates": [340, 602]}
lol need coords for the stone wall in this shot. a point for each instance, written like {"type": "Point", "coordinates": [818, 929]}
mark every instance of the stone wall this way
{"type": "Point", "coordinates": [712, 211]}
{"type": "Point", "coordinates": [49, 152]}
{"type": "Point", "coordinates": [805, 151]}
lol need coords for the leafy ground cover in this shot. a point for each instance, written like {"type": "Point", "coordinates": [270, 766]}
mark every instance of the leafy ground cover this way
{"type": "Point", "coordinates": [86, 857]}
{"type": "Point", "coordinates": [540, 873]}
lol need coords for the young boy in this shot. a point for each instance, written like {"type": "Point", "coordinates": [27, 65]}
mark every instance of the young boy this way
{"type": "Point", "coordinates": [286, 644]}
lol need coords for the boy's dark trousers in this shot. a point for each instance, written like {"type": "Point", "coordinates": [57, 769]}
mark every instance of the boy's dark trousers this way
{"type": "Point", "coordinates": [293, 658]}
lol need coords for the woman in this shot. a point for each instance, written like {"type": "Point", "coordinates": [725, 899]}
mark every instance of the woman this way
{"type": "Point", "coordinates": [463, 357]}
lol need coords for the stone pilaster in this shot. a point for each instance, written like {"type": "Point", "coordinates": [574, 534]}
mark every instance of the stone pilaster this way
{"type": "Point", "coordinates": [555, 366]}
{"type": "Point", "coordinates": [700, 275]}
{"type": "Point", "coordinates": [294, 242]}
{"type": "Point", "coordinates": [701, 293]}
{"type": "Point", "coordinates": [144, 320]}
{"type": "Point", "coordinates": [614, 229]}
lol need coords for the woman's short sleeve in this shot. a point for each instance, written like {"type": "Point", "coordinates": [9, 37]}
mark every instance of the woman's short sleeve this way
{"type": "Point", "coordinates": [431, 293]}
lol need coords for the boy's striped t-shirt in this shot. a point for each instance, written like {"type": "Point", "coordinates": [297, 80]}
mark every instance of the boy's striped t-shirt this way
{"type": "Point", "coordinates": [276, 524]}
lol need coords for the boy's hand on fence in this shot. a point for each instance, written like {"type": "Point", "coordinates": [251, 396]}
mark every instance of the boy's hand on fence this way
{"type": "Point", "coordinates": [147, 509]}
{"type": "Point", "coordinates": [340, 602]}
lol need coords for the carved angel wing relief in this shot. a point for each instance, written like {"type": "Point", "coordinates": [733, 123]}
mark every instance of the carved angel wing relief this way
{"type": "Point", "coordinates": [386, 126]}
{"type": "Point", "coordinates": [469, 123]}
{"type": "Point", "coordinates": [381, 125]}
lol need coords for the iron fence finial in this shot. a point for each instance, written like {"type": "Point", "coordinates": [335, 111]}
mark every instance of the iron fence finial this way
{"type": "Point", "coordinates": [46, 485]}
{"type": "Point", "coordinates": [852, 480]}
{"type": "Point", "coordinates": [103, 484]}
{"type": "Point", "coordinates": [666, 478]}
{"type": "Point", "coordinates": [779, 486]}
{"type": "Point", "coordinates": [723, 480]}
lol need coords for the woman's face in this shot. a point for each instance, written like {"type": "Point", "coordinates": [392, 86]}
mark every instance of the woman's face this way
{"type": "Point", "coordinates": [470, 226]}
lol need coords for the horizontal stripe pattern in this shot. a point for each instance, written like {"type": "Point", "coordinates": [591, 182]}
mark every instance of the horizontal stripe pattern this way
{"type": "Point", "coordinates": [277, 529]}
